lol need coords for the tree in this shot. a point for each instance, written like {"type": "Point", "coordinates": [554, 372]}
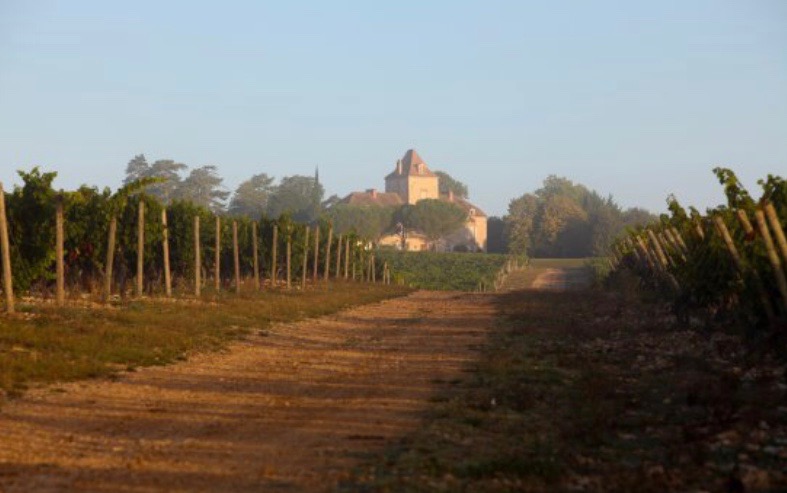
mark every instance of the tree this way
{"type": "Point", "coordinates": [203, 187]}
{"type": "Point", "coordinates": [449, 183]}
{"type": "Point", "coordinates": [137, 168]}
{"type": "Point", "coordinates": [433, 217]}
{"type": "Point", "coordinates": [519, 223]}
{"type": "Point", "coordinates": [298, 195]}
{"type": "Point", "coordinates": [167, 170]}
{"type": "Point", "coordinates": [368, 221]}
{"type": "Point", "coordinates": [496, 237]}
{"type": "Point", "coordinates": [558, 227]}
{"type": "Point", "coordinates": [252, 196]}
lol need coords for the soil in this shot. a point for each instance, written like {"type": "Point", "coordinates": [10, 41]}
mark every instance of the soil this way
{"type": "Point", "coordinates": [293, 408]}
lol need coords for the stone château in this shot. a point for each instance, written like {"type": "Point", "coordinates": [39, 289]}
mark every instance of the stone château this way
{"type": "Point", "coordinates": [411, 181]}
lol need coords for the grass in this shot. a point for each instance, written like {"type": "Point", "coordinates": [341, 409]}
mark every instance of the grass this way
{"type": "Point", "coordinates": [596, 391]}
{"type": "Point", "coordinates": [44, 344]}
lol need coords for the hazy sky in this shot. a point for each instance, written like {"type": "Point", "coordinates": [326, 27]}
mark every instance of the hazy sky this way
{"type": "Point", "coordinates": [633, 99]}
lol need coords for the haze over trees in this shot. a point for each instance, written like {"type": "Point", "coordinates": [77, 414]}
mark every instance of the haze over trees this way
{"type": "Point", "coordinates": [564, 219]}
{"type": "Point", "coordinates": [560, 219]}
{"type": "Point", "coordinates": [300, 197]}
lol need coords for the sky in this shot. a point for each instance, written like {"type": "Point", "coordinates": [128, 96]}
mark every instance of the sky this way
{"type": "Point", "coordinates": [633, 99]}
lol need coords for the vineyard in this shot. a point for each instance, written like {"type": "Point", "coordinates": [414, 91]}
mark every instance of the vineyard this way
{"type": "Point", "coordinates": [728, 265]}
{"type": "Point", "coordinates": [445, 271]}
{"type": "Point", "coordinates": [98, 244]}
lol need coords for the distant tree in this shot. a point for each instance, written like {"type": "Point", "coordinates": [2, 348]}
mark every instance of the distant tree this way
{"type": "Point", "coordinates": [330, 202]}
{"type": "Point", "coordinates": [203, 187]}
{"type": "Point", "coordinates": [298, 195]}
{"type": "Point", "coordinates": [252, 196]}
{"type": "Point", "coordinates": [166, 170]}
{"type": "Point", "coordinates": [496, 237]}
{"type": "Point", "coordinates": [137, 168]}
{"type": "Point", "coordinates": [433, 217]}
{"type": "Point", "coordinates": [449, 183]}
{"type": "Point", "coordinates": [368, 221]}
{"type": "Point", "coordinates": [636, 216]}
{"type": "Point", "coordinates": [559, 222]}
{"type": "Point", "coordinates": [519, 224]}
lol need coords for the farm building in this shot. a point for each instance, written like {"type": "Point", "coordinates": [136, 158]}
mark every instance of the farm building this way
{"type": "Point", "coordinates": [411, 181]}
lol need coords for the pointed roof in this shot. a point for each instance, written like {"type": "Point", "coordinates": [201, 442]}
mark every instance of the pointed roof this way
{"type": "Point", "coordinates": [411, 164]}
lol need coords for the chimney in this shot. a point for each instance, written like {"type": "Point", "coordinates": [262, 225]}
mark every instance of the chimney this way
{"type": "Point", "coordinates": [398, 166]}
{"type": "Point", "coordinates": [372, 192]}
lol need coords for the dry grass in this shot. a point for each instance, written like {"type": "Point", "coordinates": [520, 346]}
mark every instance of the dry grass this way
{"type": "Point", "coordinates": [46, 344]}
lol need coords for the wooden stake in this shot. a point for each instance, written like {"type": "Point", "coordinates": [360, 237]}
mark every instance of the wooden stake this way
{"type": "Point", "coordinates": [140, 246]}
{"type": "Point", "coordinates": [647, 255]}
{"type": "Point", "coordinates": [8, 283]}
{"type": "Point", "coordinates": [274, 254]}
{"type": "Point", "coordinates": [217, 257]}
{"type": "Point", "coordinates": [346, 258]}
{"type": "Point", "coordinates": [660, 255]}
{"type": "Point", "coordinates": [305, 257]}
{"type": "Point", "coordinates": [256, 261]}
{"type": "Point", "coordinates": [339, 256]}
{"type": "Point", "coordinates": [110, 259]}
{"type": "Point", "coordinates": [236, 256]}
{"type": "Point", "coordinates": [725, 235]}
{"type": "Point", "coordinates": [316, 265]}
{"type": "Point", "coordinates": [781, 281]}
{"type": "Point", "coordinates": [721, 227]}
{"type": "Point", "coordinates": [676, 234]}
{"type": "Point", "coordinates": [197, 259]}
{"type": "Point", "coordinates": [328, 253]}
{"type": "Point", "coordinates": [778, 232]}
{"type": "Point", "coordinates": [743, 218]}
{"type": "Point", "coordinates": [59, 239]}
{"type": "Point", "coordinates": [165, 246]}
{"type": "Point", "coordinates": [698, 229]}
{"type": "Point", "coordinates": [289, 259]}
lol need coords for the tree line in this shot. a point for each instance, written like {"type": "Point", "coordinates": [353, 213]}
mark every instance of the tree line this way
{"type": "Point", "coordinates": [301, 198]}
{"type": "Point", "coordinates": [563, 219]}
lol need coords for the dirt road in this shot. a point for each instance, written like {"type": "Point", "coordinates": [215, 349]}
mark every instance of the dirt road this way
{"type": "Point", "coordinates": [291, 409]}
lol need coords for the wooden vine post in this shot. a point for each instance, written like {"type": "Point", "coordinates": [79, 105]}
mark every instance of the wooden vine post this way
{"type": "Point", "coordinates": [721, 227]}
{"type": "Point", "coordinates": [778, 232]}
{"type": "Point", "coordinates": [165, 246]}
{"type": "Point", "coordinates": [328, 253]}
{"type": "Point", "coordinates": [217, 257]}
{"type": "Point", "coordinates": [113, 224]}
{"type": "Point", "coordinates": [140, 246]}
{"type": "Point", "coordinates": [339, 256]}
{"type": "Point", "coordinates": [289, 256]}
{"type": "Point", "coordinates": [197, 259]}
{"type": "Point", "coordinates": [236, 256]}
{"type": "Point", "coordinates": [274, 254]}
{"type": "Point", "coordinates": [781, 281]}
{"type": "Point", "coordinates": [305, 257]}
{"type": "Point", "coordinates": [725, 235]}
{"type": "Point", "coordinates": [346, 258]}
{"type": "Point", "coordinates": [59, 239]}
{"type": "Point", "coordinates": [255, 257]}
{"type": "Point", "coordinates": [743, 218]}
{"type": "Point", "coordinates": [8, 284]}
{"type": "Point", "coordinates": [316, 265]}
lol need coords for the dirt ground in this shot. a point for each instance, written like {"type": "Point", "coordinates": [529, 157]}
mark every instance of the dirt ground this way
{"type": "Point", "coordinates": [290, 409]}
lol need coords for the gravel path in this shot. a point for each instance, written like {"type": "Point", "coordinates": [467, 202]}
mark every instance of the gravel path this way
{"type": "Point", "coordinates": [290, 409]}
